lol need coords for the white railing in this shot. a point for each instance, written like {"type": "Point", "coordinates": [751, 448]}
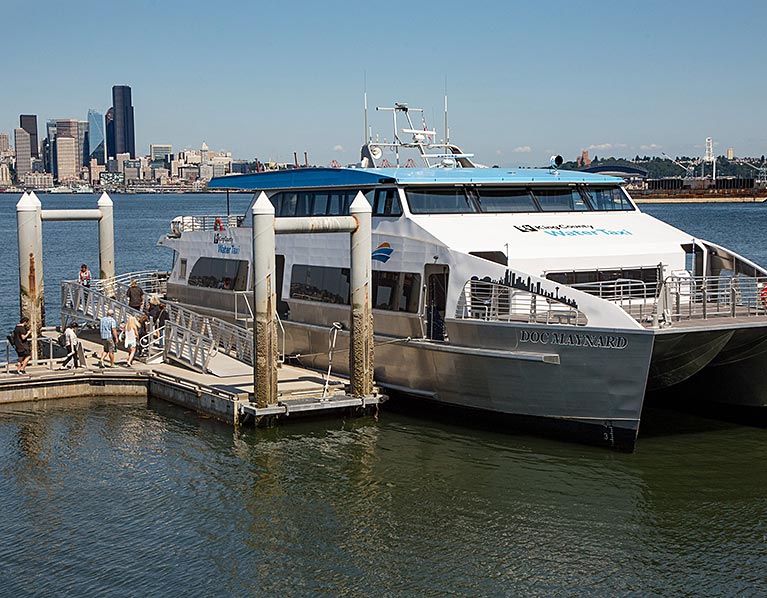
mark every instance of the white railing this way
{"type": "Point", "coordinates": [636, 297]}
{"type": "Point", "coordinates": [248, 319]}
{"type": "Point", "coordinates": [189, 346]}
{"type": "Point", "coordinates": [88, 304]}
{"type": "Point", "coordinates": [152, 282]}
{"type": "Point", "coordinates": [182, 224]}
{"type": "Point", "coordinates": [704, 297]}
{"type": "Point", "coordinates": [490, 301]}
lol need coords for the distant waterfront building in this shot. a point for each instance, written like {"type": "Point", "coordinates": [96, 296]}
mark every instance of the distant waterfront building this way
{"type": "Point", "coordinates": [66, 158]}
{"type": "Point", "coordinates": [206, 171]}
{"type": "Point", "coordinates": [730, 153]}
{"type": "Point", "coordinates": [121, 158]}
{"type": "Point", "coordinates": [219, 170]}
{"type": "Point", "coordinates": [124, 134]}
{"type": "Point", "coordinates": [204, 153]}
{"type": "Point", "coordinates": [159, 151]}
{"type": "Point", "coordinates": [3, 143]}
{"type": "Point", "coordinates": [38, 180]}
{"type": "Point", "coordinates": [5, 176]}
{"type": "Point", "coordinates": [132, 170]}
{"type": "Point", "coordinates": [23, 153]}
{"type": "Point", "coordinates": [83, 136]}
{"type": "Point", "coordinates": [28, 122]}
{"type": "Point", "coordinates": [111, 180]}
{"type": "Point", "coordinates": [95, 171]}
{"type": "Point", "coordinates": [96, 139]}
{"type": "Point", "coordinates": [239, 167]}
{"type": "Point", "coordinates": [189, 172]}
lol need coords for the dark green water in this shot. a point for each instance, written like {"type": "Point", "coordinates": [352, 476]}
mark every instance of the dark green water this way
{"type": "Point", "coordinates": [125, 499]}
{"type": "Point", "coordinates": [121, 498]}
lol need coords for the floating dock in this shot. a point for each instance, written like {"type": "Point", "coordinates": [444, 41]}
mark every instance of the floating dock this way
{"type": "Point", "coordinates": [301, 392]}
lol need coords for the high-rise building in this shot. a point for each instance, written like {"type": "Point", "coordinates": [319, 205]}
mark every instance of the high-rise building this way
{"type": "Point", "coordinates": [82, 143]}
{"type": "Point", "coordinates": [96, 139]}
{"type": "Point", "coordinates": [159, 151]}
{"type": "Point", "coordinates": [28, 122]}
{"type": "Point", "coordinates": [49, 148]}
{"type": "Point", "coordinates": [730, 153]}
{"type": "Point", "coordinates": [23, 153]}
{"type": "Point", "coordinates": [124, 136]}
{"type": "Point", "coordinates": [3, 143]}
{"type": "Point", "coordinates": [109, 130]}
{"type": "Point", "coordinates": [66, 158]}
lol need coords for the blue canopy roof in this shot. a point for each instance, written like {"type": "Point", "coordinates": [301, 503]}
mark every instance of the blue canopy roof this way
{"type": "Point", "coordinates": [359, 177]}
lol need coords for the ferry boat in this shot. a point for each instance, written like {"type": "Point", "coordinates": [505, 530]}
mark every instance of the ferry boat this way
{"type": "Point", "coordinates": [541, 294]}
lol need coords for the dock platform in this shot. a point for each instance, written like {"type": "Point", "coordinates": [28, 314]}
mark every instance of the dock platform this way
{"type": "Point", "coordinates": [301, 392]}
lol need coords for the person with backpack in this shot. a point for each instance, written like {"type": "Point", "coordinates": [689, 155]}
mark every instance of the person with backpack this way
{"type": "Point", "coordinates": [21, 343]}
{"type": "Point", "coordinates": [70, 343]}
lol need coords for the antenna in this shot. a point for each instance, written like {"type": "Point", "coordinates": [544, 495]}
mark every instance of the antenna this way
{"type": "Point", "coordinates": [447, 131]}
{"type": "Point", "coordinates": [365, 109]}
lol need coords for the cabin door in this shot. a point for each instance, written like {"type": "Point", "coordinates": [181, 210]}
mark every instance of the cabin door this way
{"type": "Point", "coordinates": [436, 299]}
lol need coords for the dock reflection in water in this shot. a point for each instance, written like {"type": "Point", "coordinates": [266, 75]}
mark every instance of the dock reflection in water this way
{"type": "Point", "coordinates": [114, 498]}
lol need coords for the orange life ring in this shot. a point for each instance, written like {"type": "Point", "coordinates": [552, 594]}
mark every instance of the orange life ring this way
{"type": "Point", "coordinates": [218, 225]}
{"type": "Point", "coordinates": [764, 294]}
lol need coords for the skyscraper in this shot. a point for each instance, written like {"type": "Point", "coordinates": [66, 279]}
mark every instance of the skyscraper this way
{"type": "Point", "coordinates": [66, 158]}
{"type": "Point", "coordinates": [83, 151]}
{"type": "Point", "coordinates": [49, 148]}
{"type": "Point", "coordinates": [96, 140]}
{"type": "Point", "coordinates": [23, 153]}
{"type": "Point", "coordinates": [109, 129]}
{"type": "Point", "coordinates": [3, 143]}
{"type": "Point", "coordinates": [28, 122]}
{"type": "Point", "coordinates": [125, 141]}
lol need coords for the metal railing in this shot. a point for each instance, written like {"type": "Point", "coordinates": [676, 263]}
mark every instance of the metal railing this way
{"type": "Point", "coordinates": [219, 223]}
{"type": "Point", "coordinates": [152, 282]}
{"type": "Point", "coordinates": [46, 353]}
{"type": "Point", "coordinates": [636, 297]}
{"type": "Point", "coordinates": [79, 302]}
{"type": "Point", "coordinates": [248, 319]}
{"type": "Point", "coordinates": [189, 346]}
{"type": "Point", "coordinates": [489, 301]}
{"type": "Point", "coordinates": [705, 297]}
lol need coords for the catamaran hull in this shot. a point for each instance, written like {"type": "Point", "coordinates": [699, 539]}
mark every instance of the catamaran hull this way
{"type": "Point", "coordinates": [586, 385]}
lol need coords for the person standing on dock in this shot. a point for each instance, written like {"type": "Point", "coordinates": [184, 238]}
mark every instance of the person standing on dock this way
{"type": "Point", "coordinates": [135, 296]}
{"type": "Point", "coordinates": [108, 329]}
{"type": "Point", "coordinates": [21, 334]}
{"type": "Point", "coordinates": [84, 276]}
{"type": "Point", "coordinates": [71, 342]}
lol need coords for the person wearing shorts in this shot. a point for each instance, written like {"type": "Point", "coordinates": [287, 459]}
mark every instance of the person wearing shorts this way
{"type": "Point", "coordinates": [108, 330]}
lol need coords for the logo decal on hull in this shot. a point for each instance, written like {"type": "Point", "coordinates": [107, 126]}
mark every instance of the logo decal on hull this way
{"type": "Point", "coordinates": [382, 253]}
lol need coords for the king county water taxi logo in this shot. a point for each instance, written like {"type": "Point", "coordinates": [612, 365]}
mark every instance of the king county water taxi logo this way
{"type": "Point", "coordinates": [382, 253]}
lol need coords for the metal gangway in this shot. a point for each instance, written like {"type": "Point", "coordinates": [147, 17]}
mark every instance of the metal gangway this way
{"type": "Point", "coordinates": [204, 343]}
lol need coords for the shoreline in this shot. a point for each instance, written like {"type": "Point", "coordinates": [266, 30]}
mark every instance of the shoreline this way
{"type": "Point", "coordinates": [698, 199]}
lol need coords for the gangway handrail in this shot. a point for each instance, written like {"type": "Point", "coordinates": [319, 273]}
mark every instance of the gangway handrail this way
{"type": "Point", "coordinates": [251, 317]}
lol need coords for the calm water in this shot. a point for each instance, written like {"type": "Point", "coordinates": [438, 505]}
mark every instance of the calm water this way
{"type": "Point", "coordinates": [121, 498]}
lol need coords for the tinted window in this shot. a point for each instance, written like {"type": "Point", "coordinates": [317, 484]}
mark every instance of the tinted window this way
{"type": "Point", "coordinates": [386, 203]}
{"type": "Point", "coordinates": [216, 273]}
{"type": "Point", "coordinates": [396, 291]}
{"type": "Point", "coordinates": [560, 200]}
{"type": "Point", "coordinates": [505, 200]}
{"type": "Point", "coordinates": [446, 200]}
{"type": "Point", "coordinates": [608, 198]}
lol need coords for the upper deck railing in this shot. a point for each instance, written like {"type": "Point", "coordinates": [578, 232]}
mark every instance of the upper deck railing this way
{"type": "Point", "coordinates": [490, 301]}
{"type": "Point", "coordinates": [676, 299]}
{"type": "Point", "coordinates": [215, 223]}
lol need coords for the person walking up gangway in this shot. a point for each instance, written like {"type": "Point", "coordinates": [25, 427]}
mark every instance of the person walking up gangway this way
{"type": "Point", "coordinates": [135, 295]}
{"type": "Point", "coordinates": [131, 339]}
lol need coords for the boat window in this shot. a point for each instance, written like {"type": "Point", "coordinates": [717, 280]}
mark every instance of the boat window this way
{"type": "Point", "coordinates": [320, 283]}
{"type": "Point", "coordinates": [217, 273]}
{"type": "Point", "coordinates": [316, 203]}
{"type": "Point", "coordinates": [386, 203]}
{"type": "Point", "coordinates": [499, 199]}
{"type": "Point", "coordinates": [396, 291]}
{"type": "Point", "coordinates": [560, 200]}
{"type": "Point", "coordinates": [392, 291]}
{"type": "Point", "coordinates": [182, 268]}
{"type": "Point", "coordinates": [608, 198]}
{"type": "Point", "coordinates": [439, 200]}
{"type": "Point", "coordinates": [626, 282]}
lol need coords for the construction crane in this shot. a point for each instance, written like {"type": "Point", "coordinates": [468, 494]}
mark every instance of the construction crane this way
{"type": "Point", "coordinates": [690, 170]}
{"type": "Point", "coordinates": [762, 170]}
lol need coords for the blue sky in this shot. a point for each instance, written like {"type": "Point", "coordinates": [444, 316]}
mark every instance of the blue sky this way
{"type": "Point", "coordinates": [525, 79]}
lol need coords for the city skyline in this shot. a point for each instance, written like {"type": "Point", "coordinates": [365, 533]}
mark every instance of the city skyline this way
{"type": "Point", "coordinates": [523, 83]}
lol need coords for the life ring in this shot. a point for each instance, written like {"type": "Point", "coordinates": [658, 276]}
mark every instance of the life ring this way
{"type": "Point", "coordinates": [764, 294]}
{"type": "Point", "coordinates": [218, 226]}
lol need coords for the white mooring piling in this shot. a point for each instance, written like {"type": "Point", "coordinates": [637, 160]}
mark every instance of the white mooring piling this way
{"type": "Point", "coordinates": [265, 227]}
{"type": "Point", "coordinates": [31, 296]}
{"type": "Point", "coordinates": [29, 223]}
